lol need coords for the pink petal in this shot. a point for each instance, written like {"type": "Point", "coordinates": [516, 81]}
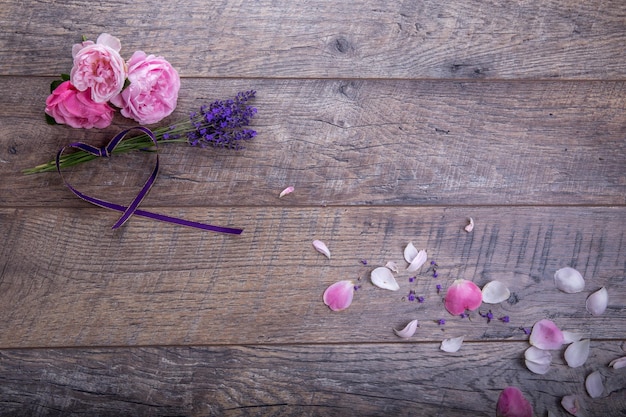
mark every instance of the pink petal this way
{"type": "Point", "coordinates": [339, 295]}
{"type": "Point", "coordinates": [286, 191]}
{"type": "Point", "coordinates": [470, 225]}
{"type": "Point", "coordinates": [463, 295]}
{"type": "Point", "coordinates": [512, 403]}
{"type": "Point", "coordinates": [321, 248]}
{"type": "Point", "coordinates": [408, 331]}
{"type": "Point", "coordinates": [570, 404]}
{"type": "Point", "coordinates": [546, 335]}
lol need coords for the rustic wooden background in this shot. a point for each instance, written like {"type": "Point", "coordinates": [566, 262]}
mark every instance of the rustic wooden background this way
{"type": "Point", "coordinates": [395, 122]}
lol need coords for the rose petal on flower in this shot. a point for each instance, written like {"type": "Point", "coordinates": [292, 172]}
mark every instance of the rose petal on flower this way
{"type": "Point", "coordinates": [410, 252]}
{"type": "Point", "coordinates": [452, 345]}
{"type": "Point", "coordinates": [546, 335]}
{"type": "Point", "coordinates": [286, 191]}
{"type": "Point", "coordinates": [569, 337]}
{"type": "Point", "coordinates": [462, 295]}
{"type": "Point", "coordinates": [618, 363]}
{"type": "Point", "coordinates": [321, 248]}
{"type": "Point", "coordinates": [339, 295]}
{"type": "Point", "coordinates": [512, 403]}
{"type": "Point", "coordinates": [537, 360]}
{"type": "Point", "coordinates": [418, 261]}
{"type": "Point", "coordinates": [392, 266]}
{"type": "Point", "coordinates": [470, 225]}
{"type": "Point", "coordinates": [570, 404]}
{"type": "Point", "coordinates": [569, 280]}
{"type": "Point", "coordinates": [383, 278]}
{"type": "Point", "coordinates": [408, 331]}
{"type": "Point", "coordinates": [594, 384]}
{"type": "Point", "coordinates": [597, 302]}
{"type": "Point", "coordinates": [495, 292]}
{"type": "Point", "coordinates": [577, 353]}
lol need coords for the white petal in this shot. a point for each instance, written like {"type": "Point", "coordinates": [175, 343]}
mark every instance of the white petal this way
{"type": "Point", "coordinates": [286, 191]}
{"type": "Point", "coordinates": [618, 363]}
{"type": "Point", "coordinates": [594, 384]}
{"type": "Point", "coordinates": [537, 360]}
{"type": "Point", "coordinates": [570, 404]}
{"type": "Point", "coordinates": [597, 302]}
{"type": "Point", "coordinates": [392, 266]}
{"type": "Point", "coordinates": [321, 248]}
{"type": "Point", "coordinates": [410, 252]}
{"type": "Point", "coordinates": [577, 353]}
{"type": "Point", "coordinates": [408, 331]}
{"type": "Point", "coordinates": [452, 345]}
{"type": "Point", "coordinates": [495, 292]}
{"type": "Point", "coordinates": [470, 225]}
{"type": "Point", "coordinates": [569, 280]}
{"type": "Point", "coordinates": [569, 337]}
{"type": "Point", "coordinates": [383, 278]}
{"type": "Point", "coordinates": [418, 261]}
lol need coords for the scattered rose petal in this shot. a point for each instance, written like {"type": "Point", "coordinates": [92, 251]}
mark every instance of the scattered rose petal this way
{"type": "Point", "coordinates": [452, 345]}
{"type": "Point", "coordinates": [569, 280]}
{"type": "Point", "coordinates": [594, 384]}
{"type": "Point", "coordinates": [618, 363]}
{"type": "Point", "coordinates": [462, 295]}
{"type": "Point", "coordinates": [570, 404]}
{"type": "Point", "coordinates": [339, 295]}
{"type": "Point", "coordinates": [286, 191]}
{"type": "Point", "coordinates": [495, 292]}
{"type": "Point", "coordinates": [537, 360]}
{"type": "Point", "coordinates": [383, 278]}
{"type": "Point", "coordinates": [569, 337]}
{"type": "Point", "coordinates": [511, 403]}
{"type": "Point", "coordinates": [392, 266]}
{"type": "Point", "coordinates": [470, 225]}
{"type": "Point", "coordinates": [546, 335]}
{"type": "Point", "coordinates": [577, 353]}
{"type": "Point", "coordinates": [418, 261]}
{"type": "Point", "coordinates": [408, 331]}
{"type": "Point", "coordinates": [410, 252]}
{"type": "Point", "coordinates": [597, 302]}
{"type": "Point", "coordinates": [321, 248]}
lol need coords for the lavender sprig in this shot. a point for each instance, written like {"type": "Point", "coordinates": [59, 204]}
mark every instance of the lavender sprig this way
{"type": "Point", "coordinates": [222, 124]}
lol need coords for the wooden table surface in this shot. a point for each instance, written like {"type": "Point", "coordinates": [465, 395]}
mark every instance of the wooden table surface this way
{"type": "Point", "coordinates": [395, 122]}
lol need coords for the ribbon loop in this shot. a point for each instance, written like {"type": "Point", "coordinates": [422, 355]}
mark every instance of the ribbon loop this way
{"type": "Point", "coordinates": [132, 208]}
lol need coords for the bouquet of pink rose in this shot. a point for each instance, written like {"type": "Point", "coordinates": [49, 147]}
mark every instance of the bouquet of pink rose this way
{"type": "Point", "coordinates": [145, 88]}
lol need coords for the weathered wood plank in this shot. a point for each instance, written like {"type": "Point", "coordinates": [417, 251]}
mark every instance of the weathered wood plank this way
{"type": "Point", "coordinates": [314, 38]}
{"type": "Point", "coordinates": [355, 142]}
{"type": "Point", "coordinates": [296, 380]}
{"type": "Point", "coordinates": [66, 279]}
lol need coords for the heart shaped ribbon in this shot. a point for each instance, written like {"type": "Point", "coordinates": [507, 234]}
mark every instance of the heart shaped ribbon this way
{"type": "Point", "coordinates": [132, 208]}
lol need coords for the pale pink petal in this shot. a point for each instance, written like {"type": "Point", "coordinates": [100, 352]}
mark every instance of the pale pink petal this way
{"type": "Point", "coordinates": [418, 261]}
{"type": "Point", "coordinates": [569, 280]}
{"type": "Point", "coordinates": [546, 335]}
{"type": "Point", "coordinates": [570, 404]}
{"type": "Point", "coordinates": [339, 295]}
{"type": "Point", "coordinates": [392, 266]}
{"type": "Point", "coordinates": [569, 337]}
{"type": "Point", "coordinates": [618, 363]}
{"type": "Point", "coordinates": [594, 384]}
{"type": "Point", "coordinates": [463, 295]}
{"type": "Point", "coordinates": [452, 345]}
{"type": "Point", "coordinates": [410, 252]}
{"type": "Point", "coordinates": [286, 191]}
{"type": "Point", "coordinates": [597, 302]}
{"type": "Point", "coordinates": [321, 248]}
{"type": "Point", "coordinates": [537, 360]}
{"type": "Point", "coordinates": [470, 225]}
{"type": "Point", "coordinates": [512, 403]}
{"type": "Point", "coordinates": [383, 278]}
{"type": "Point", "coordinates": [577, 353]}
{"type": "Point", "coordinates": [110, 41]}
{"type": "Point", "coordinates": [495, 292]}
{"type": "Point", "coordinates": [408, 331]}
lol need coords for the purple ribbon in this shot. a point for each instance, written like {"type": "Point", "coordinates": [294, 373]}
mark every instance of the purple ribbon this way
{"type": "Point", "coordinates": [132, 208]}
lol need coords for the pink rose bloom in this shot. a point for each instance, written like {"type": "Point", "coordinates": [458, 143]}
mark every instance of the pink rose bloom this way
{"type": "Point", "coordinates": [69, 106]}
{"type": "Point", "coordinates": [153, 89]}
{"type": "Point", "coordinates": [99, 67]}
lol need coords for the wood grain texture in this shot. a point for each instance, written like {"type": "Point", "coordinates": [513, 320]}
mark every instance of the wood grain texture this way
{"type": "Point", "coordinates": [294, 380]}
{"type": "Point", "coordinates": [68, 280]}
{"type": "Point", "coordinates": [356, 143]}
{"type": "Point", "coordinates": [527, 39]}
